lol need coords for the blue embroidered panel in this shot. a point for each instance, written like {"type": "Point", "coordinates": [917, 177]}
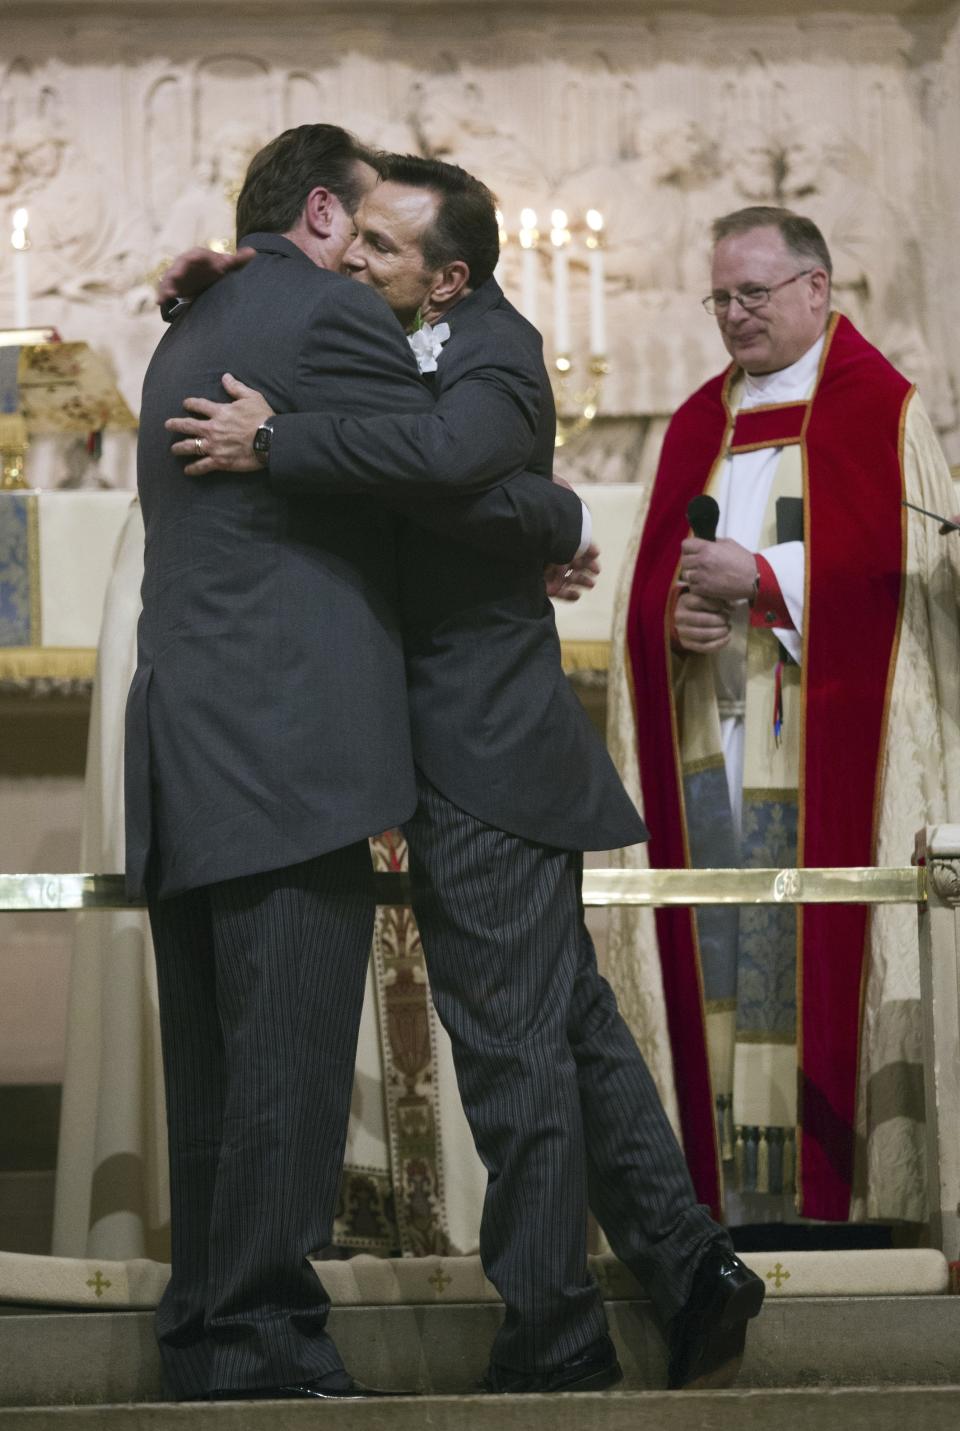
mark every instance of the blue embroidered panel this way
{"type": "Point", "coordinates": [15, 625]}
{"type": "Point", "coordinates": [767, 973]}
{"type": "Point", "coordinates": [713, 846]}
{"type": "Point", "coordinates": [9, 379]}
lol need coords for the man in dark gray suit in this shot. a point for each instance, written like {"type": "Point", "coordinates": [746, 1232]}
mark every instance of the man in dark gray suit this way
{"type": "Point", "coordinates": [266, 740]}
{"type": "Point", "coordinates": [513, 784]}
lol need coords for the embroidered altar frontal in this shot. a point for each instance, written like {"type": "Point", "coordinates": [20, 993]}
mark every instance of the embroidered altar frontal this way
{"type": "Point", "coordinates": [56, 551]}
{"type": "Point", "coordinates": [20, 618]}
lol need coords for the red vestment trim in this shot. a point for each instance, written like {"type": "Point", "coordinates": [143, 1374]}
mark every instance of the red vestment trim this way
{"type": "Point", "coordinates": [769, 606]}
{"type": "Point", "coordinates": [778, 425]}
{"type": "Point", "coordinates": [853, 483]}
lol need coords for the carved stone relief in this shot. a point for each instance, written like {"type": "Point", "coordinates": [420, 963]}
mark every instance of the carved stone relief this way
{"type": "Point", "coordinates": [662, 122]}
{"type": "Point", "coordinates": [878, 283]}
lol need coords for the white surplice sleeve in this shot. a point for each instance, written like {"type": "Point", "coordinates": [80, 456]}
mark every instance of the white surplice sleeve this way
{"type": "Point", "coordinates": [787, 561]}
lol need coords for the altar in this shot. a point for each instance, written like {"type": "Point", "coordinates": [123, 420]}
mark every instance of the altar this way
{"type": "Point", "coordinates": [56, 554]}
{"type": "Point", "coordinates": [57, 551]}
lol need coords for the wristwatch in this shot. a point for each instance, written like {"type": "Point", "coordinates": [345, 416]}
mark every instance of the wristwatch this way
{"type": "Point", "coordinates": [261, 441]}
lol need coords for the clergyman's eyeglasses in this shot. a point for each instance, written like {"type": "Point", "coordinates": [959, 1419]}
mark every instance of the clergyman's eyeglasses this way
{"type": "Point", "coordinates": [751, 298]}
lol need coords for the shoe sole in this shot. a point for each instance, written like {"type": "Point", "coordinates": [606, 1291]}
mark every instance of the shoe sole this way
{"type": "Point", "coordinates": [742, 1305]}
{"type": "Point", "coordinates": [599, 1381]}
{"type": "Point", "coordinates": [722, 1360]}
{"type": "Point", "coordinates": [723, 1353]}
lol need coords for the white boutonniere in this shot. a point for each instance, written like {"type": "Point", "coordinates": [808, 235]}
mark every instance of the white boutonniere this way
{"type": "Point", "coordinates": [427, 344]}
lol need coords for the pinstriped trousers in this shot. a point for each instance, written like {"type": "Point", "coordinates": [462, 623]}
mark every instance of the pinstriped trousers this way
{"type": "Point", "coordinates": [261, 985]}
{"type": "Point", "coordinates": [562, 1106]}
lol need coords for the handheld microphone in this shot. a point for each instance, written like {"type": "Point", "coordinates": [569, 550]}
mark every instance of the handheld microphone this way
{"type": "Point", "coordinates": [703, 514]}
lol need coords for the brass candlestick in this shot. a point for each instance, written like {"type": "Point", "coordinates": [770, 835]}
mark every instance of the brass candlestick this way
{"type": "Point", "coordinates": [13, 452]}
{"type": "Point", "coordinates": [577, 409]}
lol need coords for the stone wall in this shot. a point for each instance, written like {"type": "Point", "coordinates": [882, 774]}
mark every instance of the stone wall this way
{"type": "Point", "coordinates": [127, 129]}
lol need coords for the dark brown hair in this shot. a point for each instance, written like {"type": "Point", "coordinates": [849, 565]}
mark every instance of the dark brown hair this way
{"type": "Point", "coordinates": [283, 172]}
{"type": "Point", "coordinates": [465, 227]}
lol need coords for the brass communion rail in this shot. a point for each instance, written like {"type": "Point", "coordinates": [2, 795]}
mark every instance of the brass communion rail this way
{"type": "Point", "coordinates": [933, 887]}
{"type": "Point", "coordinates": [24, 893]}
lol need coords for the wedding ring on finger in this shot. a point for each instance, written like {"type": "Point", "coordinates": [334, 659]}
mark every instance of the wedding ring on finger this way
{"type": "Point", "coordinates": [568, 574]}
{"type": "Point", "coordinates": [198, 443]}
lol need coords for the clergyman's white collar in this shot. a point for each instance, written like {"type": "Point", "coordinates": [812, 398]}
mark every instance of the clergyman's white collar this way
{"type": "Point", "coordinates": [787, 385]}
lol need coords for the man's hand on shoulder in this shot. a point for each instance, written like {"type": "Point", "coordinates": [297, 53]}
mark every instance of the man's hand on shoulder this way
{"type": "Point", "coordinates": [568, 582]}
{"type": "Point", "coordinates": [220, 437]}
{"type": "Point", "coordinates": [197, 269]}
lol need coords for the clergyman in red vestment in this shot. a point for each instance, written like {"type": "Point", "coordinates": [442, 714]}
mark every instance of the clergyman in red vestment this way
{"type": "Point", "coordinates": [789, 698]}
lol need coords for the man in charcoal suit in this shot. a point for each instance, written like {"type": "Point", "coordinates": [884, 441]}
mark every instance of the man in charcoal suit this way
{"type": "Point", "coordinates": [513, 785]}
{"type": "Point", "coordinates": [266, 740]}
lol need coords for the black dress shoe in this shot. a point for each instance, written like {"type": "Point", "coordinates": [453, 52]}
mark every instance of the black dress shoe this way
{"type": "Point", "coordinates": [335, 1386]}
{"type": "Point", "coordinates": [593, 1369]}
{"type": "Point", "coordinates": [708, 1335]}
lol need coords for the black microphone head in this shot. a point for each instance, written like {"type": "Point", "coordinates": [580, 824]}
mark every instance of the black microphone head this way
{"type": "Point", "coordinates": [703, 514]}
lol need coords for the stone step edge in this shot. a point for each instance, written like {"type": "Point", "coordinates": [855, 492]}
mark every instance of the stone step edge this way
{"type": "Point", "coordinates": [880, 1407]}
{"type": "Point", "coordinates": [80, 1282]}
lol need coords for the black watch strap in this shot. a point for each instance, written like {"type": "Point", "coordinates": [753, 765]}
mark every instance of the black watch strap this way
{"type": "Point", "coordinates": [171, 308]}
{"type": "Point", "coordinates": [262, 439]}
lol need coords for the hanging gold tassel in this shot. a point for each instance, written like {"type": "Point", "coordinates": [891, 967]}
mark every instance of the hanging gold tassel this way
{"type": "Point", "coordinates": [789, 1161]}
{"type": "Point", "coordinates": [728, 1128]}
{"type": "Point", "coordinates": [724, 1111]}
{"type": "Point", "coordinates": [739, 1157]}
{"type": "Point", "coordinates": [763, 1161]}
{"type": "Point", "coordinates": [775, 1144]}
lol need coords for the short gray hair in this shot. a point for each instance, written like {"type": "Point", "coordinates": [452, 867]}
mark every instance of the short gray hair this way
{"type": "Point", "coordinates": [801, 236]}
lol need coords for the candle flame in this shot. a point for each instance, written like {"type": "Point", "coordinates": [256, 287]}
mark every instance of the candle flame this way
{"type": "Point", "coordinates": [594, 220]}
{"type": "Point", "coordinates": [528, 219]}
{"type": "Point", "coordinates": [558, 219]}
{"type": "Point", "coordinates": [18, 238]}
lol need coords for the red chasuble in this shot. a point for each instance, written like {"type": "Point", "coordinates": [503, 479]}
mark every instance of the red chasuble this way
{"type": "Point", "coordinates": [851, 433]}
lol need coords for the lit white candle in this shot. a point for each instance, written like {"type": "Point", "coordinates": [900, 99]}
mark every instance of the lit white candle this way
{"type": "Point", "coordinates": [560, 238]}
{"type": "Point", "coordinates": [598, 316]}
{"type": "Point", "coordinates": [19, 242]}
{"type": "Point", "coordinates": [529, 238]}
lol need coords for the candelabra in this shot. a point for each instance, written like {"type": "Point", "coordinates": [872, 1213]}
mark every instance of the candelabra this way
{"type": "Point", "coordinates": [13, 451]}
{"type": "Point", "coordinates": [577, 397]}
{"type": "Point", "coordinates": [577, 406]}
